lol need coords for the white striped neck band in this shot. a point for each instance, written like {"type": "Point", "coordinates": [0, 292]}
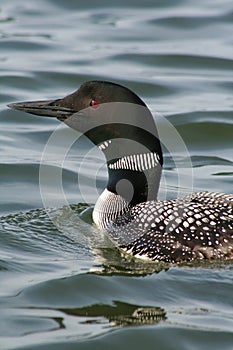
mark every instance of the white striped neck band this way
{"type": "Point", "coordinates": [136, 162]}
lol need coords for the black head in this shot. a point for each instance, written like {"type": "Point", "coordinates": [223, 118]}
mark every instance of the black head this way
{"type": "Point", "coordinates": [90, 94]}
{"type": "Point", "coordinates": [111, 116]}
{"type": "Point", "coordinates": [101, 110]}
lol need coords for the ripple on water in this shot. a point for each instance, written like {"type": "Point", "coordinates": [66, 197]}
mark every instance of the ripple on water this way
{"type": "Point", "coordinates": [63, 285]}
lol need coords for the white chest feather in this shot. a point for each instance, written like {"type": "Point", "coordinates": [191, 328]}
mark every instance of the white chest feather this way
{"type": "Point", "coordinates": [108, 207]}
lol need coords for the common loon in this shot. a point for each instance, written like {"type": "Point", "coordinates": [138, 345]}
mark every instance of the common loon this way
{"type": "Point", "coordinates": [197, 226]}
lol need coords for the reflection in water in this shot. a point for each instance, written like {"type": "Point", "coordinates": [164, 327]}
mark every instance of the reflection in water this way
{"type": "Point", "coordinates": [115, 262]}
{"type": "Point", "coordinates": [119, 314]}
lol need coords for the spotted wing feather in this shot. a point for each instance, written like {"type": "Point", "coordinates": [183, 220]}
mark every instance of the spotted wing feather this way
{"type": "Point", "coordinates": [198, 226]}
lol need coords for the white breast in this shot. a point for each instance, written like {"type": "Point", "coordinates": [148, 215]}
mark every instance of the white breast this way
{"type": "Point", "coordinates": [108, 207]}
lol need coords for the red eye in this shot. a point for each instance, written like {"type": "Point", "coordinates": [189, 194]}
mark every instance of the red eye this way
{"type": "Point", "coordinates": [94, 103]}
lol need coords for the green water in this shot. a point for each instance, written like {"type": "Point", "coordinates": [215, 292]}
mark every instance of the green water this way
{"type": "Point", "coordinates": [63, 285]}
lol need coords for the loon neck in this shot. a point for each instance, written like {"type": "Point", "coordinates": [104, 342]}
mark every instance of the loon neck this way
{"type": "Point", "coordinates": [134, 163]}
{"type": "Point", "coordinates": [136, 177]}
{"type": "Point", "coordinates": [134, 160]}
{"type": "Point", "coordinates": [134, 171]}
{"type": "Point", "coordinates": [132, 180]}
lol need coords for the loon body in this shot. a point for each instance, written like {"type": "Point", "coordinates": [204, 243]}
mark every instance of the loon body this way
{"type": "Point", "coordinates": [198, 226]}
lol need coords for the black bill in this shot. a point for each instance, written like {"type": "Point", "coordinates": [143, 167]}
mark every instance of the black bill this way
{"type": "Point", "coordinates": [49, 108]}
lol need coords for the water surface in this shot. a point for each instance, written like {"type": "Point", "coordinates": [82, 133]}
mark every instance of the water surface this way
{"type": "Point", "coordinates": [63, 285]}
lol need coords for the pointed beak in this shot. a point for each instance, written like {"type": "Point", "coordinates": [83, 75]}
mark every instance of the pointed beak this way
{"type": "Point", "coordinates": [49, 108]}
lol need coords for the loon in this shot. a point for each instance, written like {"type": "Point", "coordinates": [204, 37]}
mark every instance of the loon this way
{"type": "Point", "coordinates": [195, 227]}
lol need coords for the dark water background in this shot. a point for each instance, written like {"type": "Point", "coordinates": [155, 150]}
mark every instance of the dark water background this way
{"type": "Point", "coordinates": [62, 286]}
